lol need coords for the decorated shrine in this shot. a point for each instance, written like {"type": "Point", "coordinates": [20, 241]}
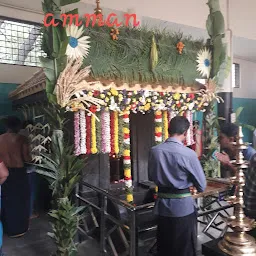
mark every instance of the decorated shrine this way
{"type": "Point", "coordinates": [123, 85]}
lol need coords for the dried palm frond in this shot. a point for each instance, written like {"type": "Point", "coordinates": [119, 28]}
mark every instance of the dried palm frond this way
{"type": "Point", "coordinates": [70, 86]}
{"type": "Point", "coordinates": [210, 93]}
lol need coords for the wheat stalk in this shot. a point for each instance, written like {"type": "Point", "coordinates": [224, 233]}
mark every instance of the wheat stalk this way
{"type": "Point", "coordinates": [70, 85]}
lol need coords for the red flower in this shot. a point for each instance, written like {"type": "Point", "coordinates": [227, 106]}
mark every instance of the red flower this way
{"type": "Point", "coordinates": [161, 93]}
{"type": "Point", "coordinates": [126, 136]}
{"type": "Point", "coordinates": [158, 134]}
{"type": "Point", "coordinates": [191, 96]}
{"type": "Point", "coordinates": [93, 108]}
{"type": "Point", "coordinates": [96, 93]}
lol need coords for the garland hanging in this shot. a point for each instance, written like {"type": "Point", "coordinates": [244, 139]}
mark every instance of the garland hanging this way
{"type": "Point", "coordinates": [77, 133]}
{"type": "Point", "coordinates": [143, 101]}
{"type": "Point", "coordinates": [127, 157]}
{"type": "Point", "coordinates": [93, 133]}
{"type": "Point", "coordinates": [88, 134]}
{"type": "Point", "coordinates": [158, 127]}
{"type": "Point", "coordinates": [98, 131]}
{"type": "Point", "coordinates": [83, 132]}
{"type": "Point", "coordinates": [116, 132]}
{"type": "Point", "coordinates": [112, 133]}
{"type": "Point", "coordinates": [165, 125]}
{"type": "Point", "coordinates": [105, 132]}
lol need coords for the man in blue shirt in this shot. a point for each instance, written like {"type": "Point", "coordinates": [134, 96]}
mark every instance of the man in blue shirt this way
{"type": "Point", "coordinates": [175, 168]}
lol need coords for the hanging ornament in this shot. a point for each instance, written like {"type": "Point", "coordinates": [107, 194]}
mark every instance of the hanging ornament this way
{"type": "Point", "coordinates": [153, 54]}
{"type": "Point", "coordinates": [180, 46]}
{"type": "Point", "coordinates": [114, 33]}
{"type": "Point", "coordinates": [204, 60]}
{"type": "Point", "coordinates": [78, 45]}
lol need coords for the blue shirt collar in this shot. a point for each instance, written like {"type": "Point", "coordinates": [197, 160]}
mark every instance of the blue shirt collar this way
{"type": "Point", "coordinates": [172, 139]}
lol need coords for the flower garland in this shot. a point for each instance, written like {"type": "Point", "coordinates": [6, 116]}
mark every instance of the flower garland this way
{"type": "Point", "coordinates": [165, 124]}
{"type": "Point", "coordinates": [120, 134]}
{"type": "Point", "coordinates": [158, 127]}
{"type": "Point", "coordinates": [189, 137]}
{"type": "Point", "coordinates": [77, 133]}
{"type": "Point", "coordinates": [116, 132]}
{"type": "Point", "coordinates": [112, 133]}
{"type": "Point", "coordinates": [127, 157]}
{"type": "Point", "coordinates": [143, 101]}
{"type": "Point", "coordinates": [98, 131]}
{"type": "Point", "coordinates": [105, 132]}
{"type": "Point", "coordinates": [93, 133]}
{"type": "Point", "coordinates": [88, 134]}
{"type": "Point", "coordinates": [82, 132]}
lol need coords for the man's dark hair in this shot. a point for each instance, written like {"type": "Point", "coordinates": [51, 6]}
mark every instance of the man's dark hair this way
{"type": "Point", "coordinates": [178, 125]}
{"type": "Point", "coordinates": [229, 129]}
{"type": "Point", "coordinates": [12, 123]}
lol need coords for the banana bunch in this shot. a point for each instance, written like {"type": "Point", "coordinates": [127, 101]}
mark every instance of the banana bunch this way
{"type": "Point", "coordinates": [153, 54]}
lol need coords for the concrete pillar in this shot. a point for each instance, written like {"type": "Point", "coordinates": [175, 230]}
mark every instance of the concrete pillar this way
{"type": "Point", "coordinates": [225, 109]}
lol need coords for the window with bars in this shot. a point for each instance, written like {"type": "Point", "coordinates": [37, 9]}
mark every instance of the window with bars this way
{"type": "Point", "coordinates": [20, 43]}
{"type": "Point", "coordinates": [236, 75]}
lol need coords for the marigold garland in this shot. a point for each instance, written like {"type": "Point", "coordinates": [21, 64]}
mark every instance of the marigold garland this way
{"type": "Point", "coordinates": [93, 133]}
{"type": "Point", "coordinates": [158, 127]}
{"type": "Point", "coordinates": [116, 132]}
{"type": "Point", "coordinates": [88, 134]}
{"type": "Point", "coordinates": [165, 124]}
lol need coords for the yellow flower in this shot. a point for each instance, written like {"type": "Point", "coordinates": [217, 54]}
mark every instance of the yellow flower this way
{"type": "Point", "coordinates": [94, 150]}
{"type": "Point", "coordinates": [114, 92]}
{"type": "Point", "coordinates": [90, 93]}
{"type": "Point", "coordinates": [158, 129]}
{"type": "Point", "coordinates": [129, 198]}
{"type": "Point", "coordinates": [161, 101]}
{"type": "Point", "coordinates": [148, 100]}
{"type": "Point", "coordinates": [126, 130]}
{"type": "Point", "coordinates": [127, 173]}
{"type": "Point", "coordinates": [109, 93]}
{"type": "Point", "coordinates": [107, 99]}
{"type": "Point", "coordinates": [127, 152]}
{"type": "Point", "coordinates": [133, 100]}
{"type": "Point", "coordinates": [102, 95]}
{"type": "Point", "coordinates": [147, 107]}
{"type": "Point", "coordinates": [176, 96]}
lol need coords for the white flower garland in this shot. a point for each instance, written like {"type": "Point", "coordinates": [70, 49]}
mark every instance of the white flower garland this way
{"type": "Point", "coordinates": [105, 132]}
{"type": "Point", "coordinates": [189, 137]}
{"type": "Point", "coordinates": [82, 132]}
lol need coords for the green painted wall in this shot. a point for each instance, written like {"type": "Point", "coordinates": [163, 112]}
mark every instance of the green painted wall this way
{"type": "Point", "coordinates": [5, 103]}
{"type": "Point", "coordinates": [248, 116]}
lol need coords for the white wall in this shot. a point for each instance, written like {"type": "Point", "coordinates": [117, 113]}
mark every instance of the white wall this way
{"type": "Point", "coordinates": [248, 80]}
{"type": "Point", "coordinates": [188, 12]}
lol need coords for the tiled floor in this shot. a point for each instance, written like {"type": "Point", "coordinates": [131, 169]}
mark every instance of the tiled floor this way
{"type": "Point", "coordinates": [37, 243]}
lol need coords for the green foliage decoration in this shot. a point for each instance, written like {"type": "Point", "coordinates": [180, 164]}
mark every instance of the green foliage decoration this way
{"type": "Point", "coordinates": [220, 68]}
{"type": "Point", "coordinates": [129, 58]}
{"type": "Point", "coordinates": [66, 220]}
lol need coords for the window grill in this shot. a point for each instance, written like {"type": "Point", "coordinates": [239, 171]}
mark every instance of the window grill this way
{"type": "Point", "coordinates": [236, 75]}
{"type": "Point", "coordinates": [20, 43]}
